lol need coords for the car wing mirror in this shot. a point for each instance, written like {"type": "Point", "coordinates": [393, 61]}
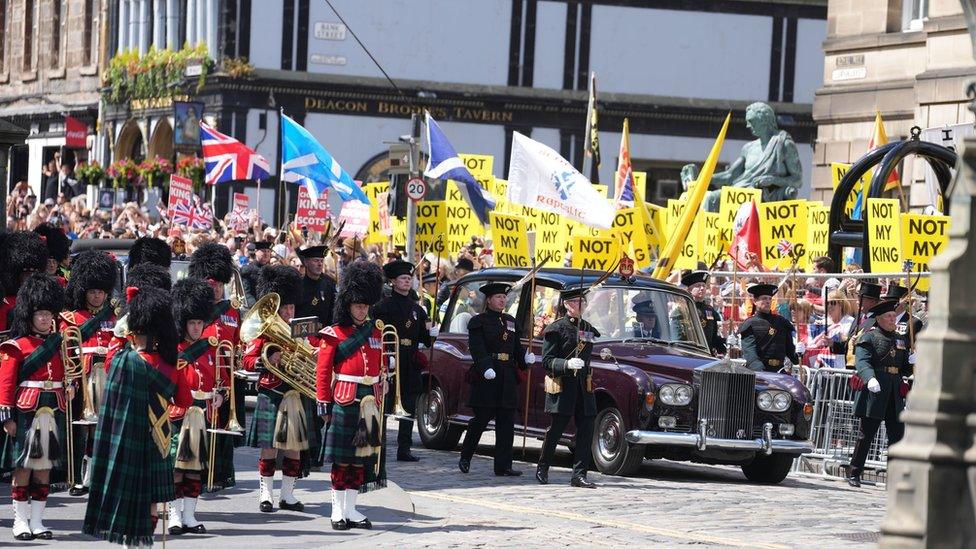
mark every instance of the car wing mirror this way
{"type": "Point", "coordinates": [607, 354]}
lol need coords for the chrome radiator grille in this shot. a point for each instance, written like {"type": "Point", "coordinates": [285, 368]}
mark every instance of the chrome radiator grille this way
{"type": "Point", "coordinates": [726, 399]}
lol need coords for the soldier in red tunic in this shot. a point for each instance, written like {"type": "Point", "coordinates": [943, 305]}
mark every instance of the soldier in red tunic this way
{"type": "Point", "coordinates": [349, 389]}
{"type": "Point", "coordinates": [93, 275]}
{"type": "Point", "coordinates": [21, 253]}
{"type": "Point", "coordinates": [281, 421]}
{"type": "Point", "coordinates": [32, 402]}
{"type": "Point", "coordinates": [58, 247]}
{"type": "Point", "coordinates": [144, 275]}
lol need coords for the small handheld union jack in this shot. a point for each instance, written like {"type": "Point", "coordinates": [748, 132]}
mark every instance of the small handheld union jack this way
{"type": "Point", "coordinates": [785, 248]}
{"type": "Point", "coordinates": [191, 216]}
{"type": "Point", "coordinates": [908, 266]}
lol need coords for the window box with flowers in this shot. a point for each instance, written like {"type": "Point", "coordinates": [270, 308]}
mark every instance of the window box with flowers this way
{"type": "Point", "coordinates": [155, 171]}
{"type": "Point", "coordinates": [157, 73]}
{"type": "Point", "coordinates": [123, 173]}
{"type": "Point", "coordinates": [191, 167]}
{"type": "Point", "coordinates": [90, 173]}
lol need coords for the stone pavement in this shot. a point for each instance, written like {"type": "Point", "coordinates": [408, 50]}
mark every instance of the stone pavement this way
{"type": "Point", "coordinates": [666, 505]}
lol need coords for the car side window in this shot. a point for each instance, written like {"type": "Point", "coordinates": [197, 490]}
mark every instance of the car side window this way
{"type": "Point", "coordinates": [468, 303]}
{"type": "Point", "coordinates": [545, 302]}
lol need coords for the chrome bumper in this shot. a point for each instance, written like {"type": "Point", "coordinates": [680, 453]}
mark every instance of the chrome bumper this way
{"type": "Point", "coordinates": [767, 444]}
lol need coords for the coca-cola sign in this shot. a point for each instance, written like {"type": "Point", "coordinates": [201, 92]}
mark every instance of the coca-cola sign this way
{"type": "Point", "coordinates": [75, 133]}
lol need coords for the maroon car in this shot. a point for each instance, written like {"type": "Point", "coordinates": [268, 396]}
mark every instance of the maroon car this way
{"type": "Point", "coordinates": [659, 393]}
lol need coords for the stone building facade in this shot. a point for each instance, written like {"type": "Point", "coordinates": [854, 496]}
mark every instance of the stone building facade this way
{"type": "Point", "coordinates": [908, 60]}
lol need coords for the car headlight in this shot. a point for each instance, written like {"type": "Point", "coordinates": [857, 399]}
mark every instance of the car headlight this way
{"type": "Point", "coordinates": [774, 401]}
{"type": "Point", "coordinates": [675, 394]}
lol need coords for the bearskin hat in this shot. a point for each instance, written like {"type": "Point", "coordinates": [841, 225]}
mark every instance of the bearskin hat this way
{"type": "Point", "coordinates": [282, 280]}
{"type": "Point", "coordinates": [90, 270]}
{"type": "Point", "coordinates": [212, 260]}
{"type": "Point", "coordinates": [58, 243]}
{"type": "Point", "coordinates": [150, 250]}
{"type": "Point", "coordinates": [193, 299]}
{"type": "Point", "coordinates": [40, 292]}
{"type": "Point", "coordinates": [149, 275]}
{"type": "Point", "coordinates": [21, 251]}
{"type": "Point", "coordinates": [362, 282]}
{"type": "Point", "coordinates": [151, 314]}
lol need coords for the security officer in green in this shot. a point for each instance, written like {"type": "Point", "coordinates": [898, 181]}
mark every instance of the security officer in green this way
{"type": "Point", "coordinates": [410, 319]}
{"type": "Point", "coordinates": [767, 338]}
{"type": "Point", "coordinates": [566, 350]}
{"type": "Point", "coordinates": [696, 283]}
{"type": "Point", "coordinates": [882, 360]}
{"type": "Point", "coordinates": [494, 341]}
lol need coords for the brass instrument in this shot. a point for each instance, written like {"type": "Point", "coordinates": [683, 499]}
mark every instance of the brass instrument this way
{"type": "Point", "coordinates": [391, 361]}
{"type": "Point", "coordinates": [74, 369]}
{"type": "Point", "coordinates": [238, 297]}
{"type": "Point", "coordinates": [298, 358]}
{"type": "Point", "coordinates": [224, 356]}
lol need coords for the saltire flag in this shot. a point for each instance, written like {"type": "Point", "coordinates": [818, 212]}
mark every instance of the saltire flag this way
{"type": "Point", "coordinates": [746, 248]}
{"type": "Point", "coordinates": [227, 159]}
{"type": "Point", "coordinates": [624, 185]}
{"type": "Point", "coordinates": [306, 162]}
{"type": "Point", "coordinates": [191, 215]}
{"type": "Point", "coordinates": [592, 132]}
{"type": "Point", "coordinates": [879, 138]}
{"type": "Point", "coordinates": [444, 163]}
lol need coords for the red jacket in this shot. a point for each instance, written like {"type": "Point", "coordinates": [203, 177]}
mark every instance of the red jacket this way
{"type": "Point", "coordinates": [252, 354]}
{"type": "Point", "coordinates": [226, 326]}
{"type": "Point", "coordinates": [366, 361]}
{"type": "Point", "coordinates": [182, 396]}
{"type": "Point", "coordinates": [198, 375]}
{"type": "Point", "coordinates": [101, 338]}
{"type": "Point", "coordinates": [12, 355]}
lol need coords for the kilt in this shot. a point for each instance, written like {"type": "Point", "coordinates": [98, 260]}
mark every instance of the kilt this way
{"type": "Point", "coordinates": [14, 453]}
{"type": "Point", "coordinates": [260, 434]}
{"type": "Point", "coordinates": [201, 451]}
{"type": "Point", "coordinates": [339, 447]}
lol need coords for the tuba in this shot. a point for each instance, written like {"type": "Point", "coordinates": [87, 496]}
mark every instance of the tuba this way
{"type": "Point", "coordinates": [391, 361]}
{"type": "Point", "coordinates": [298, 360]}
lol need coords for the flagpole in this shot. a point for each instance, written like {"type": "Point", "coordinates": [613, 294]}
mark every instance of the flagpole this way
{"type": "Point", "coordinates": [280, 218]}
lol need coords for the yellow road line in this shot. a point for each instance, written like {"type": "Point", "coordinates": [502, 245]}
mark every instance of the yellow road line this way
{"type": "Point", "coordinates": [676, 534]}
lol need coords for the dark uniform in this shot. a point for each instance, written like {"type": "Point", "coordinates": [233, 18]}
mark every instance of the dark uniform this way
{"type": "Point", "coordinates": [880, 355]}
{"type": "Point", "coordinates": [318, 295]}
{"type": "Point", "coordinates": [569, 393]}
{"type": "Point", "coordinates": [251, 272]}
{"type": "Point", "coordinates": [410, 320]}
{"type": "Point", "coordinates": [496, 351]}
{"type": "Point", "coordinates": [707, 314]}
{"type": "Point", "coordinates": [767, 338]}
{"type": "Point", "coordinates": [863, 322]}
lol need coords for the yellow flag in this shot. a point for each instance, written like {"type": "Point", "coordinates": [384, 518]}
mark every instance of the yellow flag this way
{"type": "Point", "coordinates": [666, 261]}
{"type": "Point", "coordinates": [879, 138]}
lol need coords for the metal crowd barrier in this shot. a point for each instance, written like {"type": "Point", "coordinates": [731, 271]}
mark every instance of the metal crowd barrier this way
{"type": "Point", "coordinates": [834, 427]}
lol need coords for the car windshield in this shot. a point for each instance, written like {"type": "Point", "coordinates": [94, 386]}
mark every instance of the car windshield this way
{"type": "Point", "coordinates": [641, 313]}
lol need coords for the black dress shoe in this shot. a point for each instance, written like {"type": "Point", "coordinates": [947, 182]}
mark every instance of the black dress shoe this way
{"type": "Point", "coordinates": [407, 456]}
{"type": "Point", "coordinates": [464, 465]}
{"type": "Point", "coordinates": [364, 524]}
{"type": "Point", "coordinates": [297, 506]}
{"type": "Point", "coordinates": [198, 529]}
{"type": "Point", "coordinates": [508, 473]}
{"type": "Point", "coordinates": [44, 535]}
{"type": "Point", "coordinates": [340, 524]}
{"type": "Point", "coordinates": [854, 480]}
{"type": "Point", "coordinates": [24, 536]}
{"type": "Point", "coordinates": [176, 530]}
{"type": "Point", "coordinates": [267, 507]}
{"type": "Point", "coordinates": [581, 482]}
{"type": "Point", "coordinates": [78, 490]}
{"type": "Point", "coordinates": [542, 474]}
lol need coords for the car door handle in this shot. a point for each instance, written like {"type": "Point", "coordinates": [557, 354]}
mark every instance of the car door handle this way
{"type": "Point", "coordinates": [451, 350]}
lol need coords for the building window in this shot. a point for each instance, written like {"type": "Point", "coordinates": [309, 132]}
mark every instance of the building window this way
{"type": "Point", "coordinates": [88, 44]}
{"type": "Point", "coordinates": [57, 13]}
{"type": "Point", "coordinates": [29, 33]}
{"type": "Point", "coordinates": [3, 36]}
{"type": "Point", "coordinates": [914, 13]}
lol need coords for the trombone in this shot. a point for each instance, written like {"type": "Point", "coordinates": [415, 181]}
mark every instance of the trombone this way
{"type": "Point", "coordinates": [224, 354]}
{"type": "Point", "coordinates": [391, 361]}
{"type": "Point", "coordinates": [74, 369]}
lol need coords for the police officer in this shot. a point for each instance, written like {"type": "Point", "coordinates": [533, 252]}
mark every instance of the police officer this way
{"type": "Point", "coordinates": [881, 359]}
{"type": "Point", "coordinates": [410, 320]}
{"type": "Point", "coordinates": [496, 349]}
{"type": "Point", "coordinates": [318, 290]}
{"type": "Point", "coordinates": [696, 282]}
{"type": "Point", "coordinates": [767, 338]}
{"type": "Point", "coordinates": [566, 350]}
{"type": "Point", "coordinates": [251, 272]}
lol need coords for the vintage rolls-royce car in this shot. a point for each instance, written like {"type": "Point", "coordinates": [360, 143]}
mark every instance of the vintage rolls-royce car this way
{"type": "Point", "coordinates": [659, 393]}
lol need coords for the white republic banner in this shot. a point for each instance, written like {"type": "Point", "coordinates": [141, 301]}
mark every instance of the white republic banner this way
{"type": "Point", "coordinates": [540, 178]}
{"type": "Point", "coordinates": [949, 136]}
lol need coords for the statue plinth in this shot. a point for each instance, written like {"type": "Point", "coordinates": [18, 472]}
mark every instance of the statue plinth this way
{"type": "Point", "coordinates": [932, 471]}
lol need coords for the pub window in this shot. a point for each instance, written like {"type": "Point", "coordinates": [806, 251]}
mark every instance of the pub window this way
{"type": "Point", "coordinates": [29, 33]}
{"type": "Point", "coordinates": [88, 43]}
{"type": "Point", "coordinates": [3, 36]}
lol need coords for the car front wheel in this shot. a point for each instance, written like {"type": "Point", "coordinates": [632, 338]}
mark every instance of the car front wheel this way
{"type": "Point", "coordinates": [771, 469]}
{"type": "Point", "coordinates": [613, 455]}
{"type": "Point", "coordinates": [435, 431]}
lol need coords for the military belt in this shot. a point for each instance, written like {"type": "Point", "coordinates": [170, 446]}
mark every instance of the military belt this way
{"type": "Point", "coordinates": [500, 356]}
{"type": "Point", "coordinates": [47, 384]}
{"type": "Point", "coordinates": [892, 370]}
{"type": "Point", "coordinates": [201, 395]}
{"type": "Point", "coordinates": [774, 362]}
{"type": "Point", "coordinates": [406, 342]}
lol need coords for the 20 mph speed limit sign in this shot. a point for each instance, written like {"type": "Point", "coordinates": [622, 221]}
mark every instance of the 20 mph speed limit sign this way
{"type": "Point", "coordinates": [416, 189]}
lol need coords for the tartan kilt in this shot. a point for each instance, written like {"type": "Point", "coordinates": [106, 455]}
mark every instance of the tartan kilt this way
{"type": "Point", "coordinates": [176, 425]}
{"type": "Point", "coordinates": [339, 447]}
{"type": "Point", "coordinates": [260, 434]}
{"type": "Point", "coordinates": [13, 453]}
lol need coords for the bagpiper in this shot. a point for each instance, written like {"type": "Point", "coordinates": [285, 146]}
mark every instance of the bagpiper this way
{"type": "Point", "coordinates": [696, 283]}
{"type": "Point", "coordinates": [58, 247]}
{"type": "Point", "coordinates": [21, 254]}
{"type": "Point", "coordinates": [32, 402]}
{"type": "Point", "coordinates": [214, 264]}
{"type": "Point", "coordinates": [132, 470]}
{"type": "Point", "coordinates": [281, 418]}
{"type": "Point", "coordinates": [496, 350]}
{"type": "Point", "coordinates": [89, 294]}
{"type": "Point", "coordinates": [767, 338]}
{"type": "Point", "coordinates": [143, 275]}
{"type": "Point", "coordinates": [350, 387]}
{"type": "Point", "coordinates": [566, 349]}
{"type": "Point", "coordinates": [882, 363]}
{"type": "Point", "coordinates": [196, 366]}
{"type": "Point", "coordinates": [411, 322]}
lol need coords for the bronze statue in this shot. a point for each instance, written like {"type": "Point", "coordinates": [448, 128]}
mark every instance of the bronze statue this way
{"type": "Point", "coordinates": [770, 163]}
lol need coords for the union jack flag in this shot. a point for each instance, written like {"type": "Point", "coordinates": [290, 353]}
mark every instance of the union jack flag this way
{"type": "Point", "coordinates": [193, 216]}
{"type": "Point", "coordinates": [227, 159]}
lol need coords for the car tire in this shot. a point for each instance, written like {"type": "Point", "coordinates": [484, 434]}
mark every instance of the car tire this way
{"type": "Point", "coordinates": [612, 455]}
{"type": "Point", "coordinates": [771, 469]}
{"type": "Point", "coordinates": [436, 432]}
